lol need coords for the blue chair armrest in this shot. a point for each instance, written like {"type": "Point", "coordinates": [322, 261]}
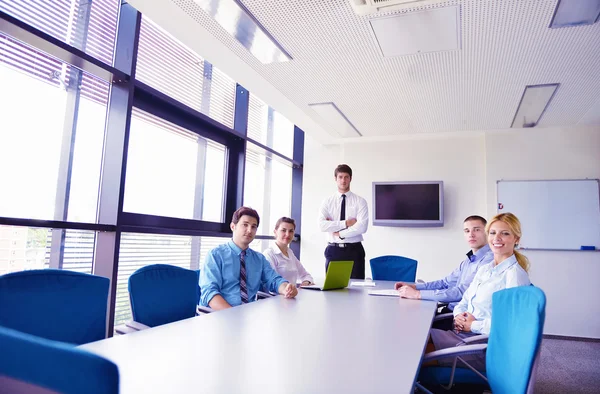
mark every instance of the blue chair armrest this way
{"type": "Point", "coordinates": [123, 329]}
{"type": "Point", "coordinates": [454, 352]}
{"type": "Point", "coordinates": [443, 316]}
{"type": "Point", "coordinates": [475, 339]}
{"type": "Point", "coordinates": [130, 327]}
{"type": "Point", "coordinates": [261, 295]}
{"type": "Point", "coordinates": [203, 310]}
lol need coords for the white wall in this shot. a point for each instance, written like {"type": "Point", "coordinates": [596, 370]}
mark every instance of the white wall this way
{"type": "Point", "coordinates": [569, 279]}
{"type": "Point", "coordinates": [469, 165]}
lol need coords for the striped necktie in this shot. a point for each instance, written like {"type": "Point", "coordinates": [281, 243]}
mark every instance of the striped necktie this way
{"type": "Point", "coordinates": [243, 287]}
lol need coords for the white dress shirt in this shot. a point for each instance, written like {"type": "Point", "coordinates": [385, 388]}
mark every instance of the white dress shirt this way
{"type": "Point", "coordinates": [288, 267]}
{"type": "Point", "coordinates": [329, 218]}
{"type": "Point", "coordinates": [489, 279]}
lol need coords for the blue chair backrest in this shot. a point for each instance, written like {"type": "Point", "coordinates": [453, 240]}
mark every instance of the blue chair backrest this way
{"type": "Point", "coordinates": [54, 304]}
{"type": "Point", "coordinates": [51, 365]}
{"type": "Point", "coordinates": [198, 288]}
{"type": "Point", "coordinates": [162, 293]}
{"type": "Point", "coordinates": [515, 338]}
{"type": "Point", "coordinates": [396, 268]}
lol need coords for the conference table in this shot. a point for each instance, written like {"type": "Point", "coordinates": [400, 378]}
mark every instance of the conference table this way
{"type": "Point", "coordinates": [339, 341]}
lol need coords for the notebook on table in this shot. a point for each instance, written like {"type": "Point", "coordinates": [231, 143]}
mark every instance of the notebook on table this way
{"type": "Point", "coordinates": [386, 292]}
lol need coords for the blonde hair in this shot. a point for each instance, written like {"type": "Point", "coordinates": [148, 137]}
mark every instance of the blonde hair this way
{"type": "Point", "coordinates": [515, 227]}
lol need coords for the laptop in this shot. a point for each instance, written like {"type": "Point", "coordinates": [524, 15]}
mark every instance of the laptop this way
{"type": "Point", "coordinates": [337, 276]}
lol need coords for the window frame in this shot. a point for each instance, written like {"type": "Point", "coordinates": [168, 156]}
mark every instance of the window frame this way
{"type": "Point", "coordinates": [125, 93]}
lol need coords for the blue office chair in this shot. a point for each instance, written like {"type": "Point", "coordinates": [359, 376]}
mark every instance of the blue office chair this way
{"type": "Point", "coordinates": [396, 268]}
{"type": "Point", "coordinates": [162, 293]}
{"type": "Point", "coordinates": [54, 304]}
{"type": "Point", "coordinates": [28, 363]}
{"type": "Point", "coordinates": [511, 351]}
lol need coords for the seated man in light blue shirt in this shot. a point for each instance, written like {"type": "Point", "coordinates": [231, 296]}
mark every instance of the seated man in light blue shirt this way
{"type": "Point", "coordinates": [233, 273]}
{"type": "Point", "coordinates": [452, 287]}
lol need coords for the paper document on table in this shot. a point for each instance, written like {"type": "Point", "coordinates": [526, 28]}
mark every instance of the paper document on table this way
{"type": "Point", "coordinates": [363, 284]}
{"type": "Point", "coordinates": [387, 292]}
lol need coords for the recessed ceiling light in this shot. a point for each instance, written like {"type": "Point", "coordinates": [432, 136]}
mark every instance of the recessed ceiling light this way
{"type": "Point", "coordinates": [534, 102]}
{"type": "Point", "coordinates": [336, 120]}
{"type": "Point", "coordinates": [575, 13]}
{"type": "Point", "coordinates": [235, 18]}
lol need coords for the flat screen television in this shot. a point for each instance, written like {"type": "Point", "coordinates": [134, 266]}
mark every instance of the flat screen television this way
{"type": "Point", "coordinates": [408, 204]}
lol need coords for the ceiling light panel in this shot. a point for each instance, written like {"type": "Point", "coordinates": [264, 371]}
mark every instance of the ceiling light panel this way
{"type": "Point", "coordinates": [534, 102]}
{"type": "Point", "coordinates": [235, 18]}
{"type": "Point", "coordinates": [575, 13]}
{"type": "Point", "coordinates": [335, 119]}
{"type": "Point", "coordinates": [431, 30]}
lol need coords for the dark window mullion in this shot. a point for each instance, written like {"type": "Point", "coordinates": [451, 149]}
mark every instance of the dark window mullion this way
{"type": "Point", "coordinates": [63, 189]}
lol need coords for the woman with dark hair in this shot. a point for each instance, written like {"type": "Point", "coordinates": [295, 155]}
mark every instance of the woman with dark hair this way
{"type": "Point", "coordinates": [282, 258]}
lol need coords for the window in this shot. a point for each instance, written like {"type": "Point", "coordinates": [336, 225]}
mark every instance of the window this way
{"type": "Point", "coordinates": [260, 245]}
{"type": "Point", "coordinates": [49, 163]}
{"type": "Point", "coordinates": [269, 128]}
{"type": "Point", "coordinates": [174, 69]}
{"type": "Point", "coordinates": [27, 248]}
{"type": "Point", "coordinates": [172, 171]}
{"type": "Point", "coordinates": [267, 187]}
{"type": "Point", "coordinates": [66, 21]}
{"type": "Point", "coordinates": [139, 250]}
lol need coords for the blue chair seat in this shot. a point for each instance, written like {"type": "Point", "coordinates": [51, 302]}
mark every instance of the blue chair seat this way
{"type": "Point", "coordinates": [54, 304]}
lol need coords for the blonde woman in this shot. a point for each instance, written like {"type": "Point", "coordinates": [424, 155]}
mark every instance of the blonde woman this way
{"type": "Point", "coordinates": [473, 315]}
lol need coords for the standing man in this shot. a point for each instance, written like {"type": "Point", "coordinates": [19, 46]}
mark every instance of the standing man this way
{"type": "Point", "coordinates": [233, 273]}
{"type": "Point", "coordinates": [345, 217]}
{"type": "Point", "coordinates": [452, 287]}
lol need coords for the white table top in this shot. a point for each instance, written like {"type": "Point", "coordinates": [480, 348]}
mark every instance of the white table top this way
{"type": "Point", "coordinates": [341, 341]}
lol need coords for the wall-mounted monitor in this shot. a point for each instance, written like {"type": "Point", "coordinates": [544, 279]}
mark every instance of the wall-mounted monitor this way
{"type": "Point", "coordinates": [408, 204]}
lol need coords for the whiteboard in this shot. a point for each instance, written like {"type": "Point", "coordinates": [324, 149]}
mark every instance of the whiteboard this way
{"type": "Point", "coordinates": [556, 214]}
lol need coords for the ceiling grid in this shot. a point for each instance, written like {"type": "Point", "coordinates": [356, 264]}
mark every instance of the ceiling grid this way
{"type": "Point", "coordinates": [505, 45]}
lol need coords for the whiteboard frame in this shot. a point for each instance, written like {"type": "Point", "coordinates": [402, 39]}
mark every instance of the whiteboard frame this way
{"type": "Point", "coordinates": [548, 180]}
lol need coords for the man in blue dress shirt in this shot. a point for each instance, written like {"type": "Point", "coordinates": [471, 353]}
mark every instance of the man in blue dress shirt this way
{"type": "Point", "coordinates": [451, 288]}
{"type": "Point", "coordinates": [233, 273]}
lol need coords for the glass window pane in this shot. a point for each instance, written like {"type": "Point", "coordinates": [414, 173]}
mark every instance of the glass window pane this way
{"type": "Point", "coordinates": [260, 245]}
{"type": "Point", "coordinates": [267, 187]}
{"type": "Point", "coordinates": [269, 127]}
{"type": "Point", "coordinates": [283, 135]}
{"type": "Point", "coordinates": [27, 248]}
{"type": "Point", "coordinates": [222, 98]}
{"type": "Point", "coordinates": [167, 65]}
{"type": "Point", "coordinates": [172, 171]}
{"type": "Point", "coordinates": [174, 69]}
{"type": "Point", "coordinates": [87, 25]}
{"type": "Point", "coordinates": [50, 157]}
{"type": "Point", "coordinates": [139, 250]}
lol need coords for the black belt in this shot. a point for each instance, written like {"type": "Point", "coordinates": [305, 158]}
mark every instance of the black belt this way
{"type": "Point", "coordinates": [344, 245]}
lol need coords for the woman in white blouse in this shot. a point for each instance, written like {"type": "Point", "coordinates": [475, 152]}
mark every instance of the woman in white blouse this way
{"type": "Point", "coordinates": [282, 258]}
{"type": "Point", "coordinates": [473, 315]}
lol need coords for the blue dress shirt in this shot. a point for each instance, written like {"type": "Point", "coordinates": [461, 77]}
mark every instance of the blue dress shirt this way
{"type": "Point", "coordinates": [491, 278]}
{"type": "Point", "coordinates": [221, 274]}
{"type": "Point", "coordinates": [452, 287]}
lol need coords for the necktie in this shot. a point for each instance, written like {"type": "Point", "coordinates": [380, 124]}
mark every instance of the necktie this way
{"type": "Point", "coordinates": [343, 211]}
{"type": "Point", "coordinates": [243, 287]}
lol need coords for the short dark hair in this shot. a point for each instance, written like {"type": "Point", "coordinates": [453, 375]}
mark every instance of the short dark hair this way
{"type": "Point", "coordinates": [245, 211]}
{"type": "Point", "coordinates": [285, 220]}
{"type": "Point", "coordinates": [345, 168]}
{"type": "Point", "coordinates": [476, 217]}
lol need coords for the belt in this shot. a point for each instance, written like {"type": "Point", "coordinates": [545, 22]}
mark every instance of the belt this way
{"type": "Point", "coordinates": [343, 245]}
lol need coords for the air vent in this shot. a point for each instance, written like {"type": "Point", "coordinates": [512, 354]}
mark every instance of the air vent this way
{"type": "Point", "coordinates": [366, 7]}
